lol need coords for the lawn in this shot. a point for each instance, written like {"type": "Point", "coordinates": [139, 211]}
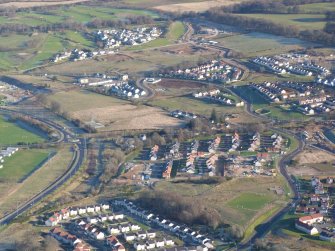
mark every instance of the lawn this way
{"type": "Point", "coordinates": [256, 43]}
{"type": "Point", "coordinates": [11, 134]}
{"type": "Point", "coordinates": [22, 163]}
{"type": "Point", "coordinates": [302, 21]}
{"type": "Point", "coordinates": [249, 201]}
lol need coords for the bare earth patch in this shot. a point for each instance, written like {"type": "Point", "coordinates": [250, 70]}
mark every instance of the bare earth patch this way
{"type": "Point", "coordinates": [313, 163]}
{"type": "Point", "coordinates": [196, 6]}
{"type": "Point", "coordinates": [314, 157]}
{"type": "Point", "coordinates": [128, 117]}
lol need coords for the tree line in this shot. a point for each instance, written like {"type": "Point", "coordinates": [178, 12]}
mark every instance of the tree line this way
{"type": "Point", "coordinates": [275, 7]}
{"type": "Point", "coordinates": [76, 26]}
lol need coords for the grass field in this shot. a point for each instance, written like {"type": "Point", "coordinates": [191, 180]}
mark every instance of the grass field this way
{"type": "Point", "coordinates": [81, 14]}
{"type": "Point", "coordinates": [128, 62]}
{"type": "Point", "coordinates": [249, 201]}
{"type": "Point", "coordinates": [175, 31]}
{"type": "Point", "coordinates": [317, 7]}
{"type": "Point", "coordinates": [115, 114]}
{"type": "Point", "coordinates": [13, 194]}
{"type": "Point", "coordinates": [82, 100]}
{"type": "Point", "coordinates": [11, 134]}
{"type": "Point", "coordinates": [252, 193]}
{"type": "Point", "coordinates": [255, 43]}
{"type": "Point", "coordinates": [302, 21]}
{"type": "Point", "coordinates": [22, 163]}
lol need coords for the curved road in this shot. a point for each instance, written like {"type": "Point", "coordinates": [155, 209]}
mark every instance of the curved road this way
{"type": "Point", "coordinates": [73, 167]}
{"type": "Point", "coordinates": [264, 228]}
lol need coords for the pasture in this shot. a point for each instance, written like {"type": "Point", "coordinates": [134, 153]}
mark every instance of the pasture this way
{"type": "Point", "coordinates": [22, 163]}
{"type": "Point", "coordinates": [317, 7]}
{"type": "Point", "coordinates": [13, 194]}
{"type": "Point", "coordinates": [115, 114]}
{"type": "Point", "coordinates": [256, 43]}
{"type": "Point", "coordinates": [11, 134]}
{"type": "Point", "coordinates": [302, 21]}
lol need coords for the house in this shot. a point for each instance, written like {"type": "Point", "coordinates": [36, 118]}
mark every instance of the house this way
{"type": "Point", "coordinates": [99, 235]}
{"type": "Point", "coordinates": [304, 227]}
{"type": "Point", "coordinates": [114, 230]}
{"type": "Point", "coordinates": [90, 209]}
{"type": "Point", "coordinates": [115, 243]}
{"type": "Point", "coordinates": [168, 241]}
{"type": "Point", "coordinates": [150, 244]}
{"type": "Point", "coordinates": [73, 211]}
{"type": "Point", "coordinates": [64, 213]}
{"type": "Point", "coordinates": [151, 234]}
{"type": "Point", "coordinates": [134, 227]}
{"type": "Point", "coordinates": [310, 219]}
{"type": "Point", "coordinates": [129, 237]}
{"type": "Point", "coordinates": [64, 237]}
{"type": "Point", "coordinates": [92, 220]}
{"type": "Point", "coordinates": [51, 222]}
{"type": "Point", "coordinates": [160, 243]}
{"type": "Point", "coordinates": [139, 246]}
{"type": "Point", "coordinates": [81, 246]}
{"type": "Point", "coordinates": [103, 218]}
{"type": "Point", "coordinates": [118, 216]}
{"type": "Point", "coordinates": [97, 208]}
{"type": "Point", "coordinates": [141, 235]}
{"type": "Point", "coordinates": [82, 210]}
{"type": "Point", "coordinates": [105, 206]}
{"type": "Point", "coordinates": [327, 236]}
{"type": "Point", "coordinates": [124, 228]}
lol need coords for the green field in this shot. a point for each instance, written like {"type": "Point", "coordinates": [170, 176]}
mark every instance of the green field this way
{"type": "Point", "coordinates": [22, 163]}
{"type": "Point", "coordinates": [11, 134]}
{"type": "Point", "coordinates": [238, 201]}
{"type": "Point", "coordinates": [80, 100]}
{"type": "Point", "coordinates": [317, 7]}
{"type": "Point", "coordinates": [302, 21]}
{"type": "Point", "coordinates": [175, 31]}
{"type": "Point", "coordinates": [256, 43]}
{"type": "Point", "coordinates": [249, 201]}
{"type": "Point", "coordinates": [80, 14]}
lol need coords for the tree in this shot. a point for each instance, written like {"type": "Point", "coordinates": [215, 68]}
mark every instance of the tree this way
{"type": "Point", "coordinates": [214, 116]}
{"type": "Point", "coordinates": [50, 244]}
{"type": "Point", "coordinates": [29, 242]}
{"type": "Point", "coordinates": [157, 139]}
{"type": "Point", "coordinates": [235, 232]}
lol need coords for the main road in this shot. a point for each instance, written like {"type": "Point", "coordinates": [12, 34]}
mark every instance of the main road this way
{"type": "Point", "coordinates": [77, 160]}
